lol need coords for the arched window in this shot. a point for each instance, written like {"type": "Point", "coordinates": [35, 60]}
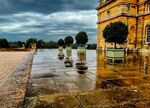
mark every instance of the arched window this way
{"type": "Point", "coordinates": [148, 34]}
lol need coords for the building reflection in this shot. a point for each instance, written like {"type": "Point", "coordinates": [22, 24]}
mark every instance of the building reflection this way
{"type": "Point", "coordinates": [146, 64]}
{"type": "Point", "coordinates": [131, 73]}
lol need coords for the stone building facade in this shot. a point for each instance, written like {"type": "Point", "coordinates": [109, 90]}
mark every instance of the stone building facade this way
{"type": "Point", "coordinates": [134, 13]}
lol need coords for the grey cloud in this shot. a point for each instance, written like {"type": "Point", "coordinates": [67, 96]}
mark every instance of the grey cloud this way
{"type": "Point", "coordinates": [47, 19]}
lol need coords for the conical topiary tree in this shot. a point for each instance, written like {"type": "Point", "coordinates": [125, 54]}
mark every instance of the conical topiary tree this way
{"type": "Point", "coordinates": [116, 33]}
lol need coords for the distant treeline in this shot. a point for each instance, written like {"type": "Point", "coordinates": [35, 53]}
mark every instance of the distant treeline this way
{"type": "Point", "coordinates": [40, 44]}
{"type": "Point", "coordinates": [89, 46]}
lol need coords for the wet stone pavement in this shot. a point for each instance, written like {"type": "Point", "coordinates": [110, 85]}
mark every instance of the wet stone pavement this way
{"type": "Point", "coordinates": [52, 85]}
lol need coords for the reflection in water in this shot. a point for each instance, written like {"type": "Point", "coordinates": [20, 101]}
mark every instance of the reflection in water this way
{"type": "Point", "coordinates": [132, 73]}
{"type": "Point", "coordinates": [146, 62]}
{"type": "Point", "coordinates": [119, 85]}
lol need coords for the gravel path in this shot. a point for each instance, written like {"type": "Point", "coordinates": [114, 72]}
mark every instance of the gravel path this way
{"type": "Point", "coordinates": [9, 60]}
{"type": "Point", "coordinates": [14, 73]}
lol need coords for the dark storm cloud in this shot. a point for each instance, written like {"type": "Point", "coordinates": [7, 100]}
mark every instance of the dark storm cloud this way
{"type": "Point", "coordinates": [45, 6]}
{"type": "Point", "coordinates": [47, 19]}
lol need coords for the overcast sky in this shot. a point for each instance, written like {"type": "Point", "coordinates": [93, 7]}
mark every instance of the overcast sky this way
{"type": "Point", "coordinates": [47, 19]}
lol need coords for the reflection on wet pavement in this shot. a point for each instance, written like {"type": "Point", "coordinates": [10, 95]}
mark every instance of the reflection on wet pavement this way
{"type": "Point", "coordinates": [122, 85]}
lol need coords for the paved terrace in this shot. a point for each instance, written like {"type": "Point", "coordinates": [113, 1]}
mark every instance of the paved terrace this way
{"type": "Point", "coordinates": [103, 86]}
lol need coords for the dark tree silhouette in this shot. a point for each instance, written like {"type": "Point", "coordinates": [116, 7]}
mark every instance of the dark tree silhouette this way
{"type": "Point", "coordinates": [29, 41]}
{"type": "Point", "coordinates": [81, 38]}
{"type": "Point", "coordinates": [116, 32]}
{"type": "Point", "coordinates": [4, 43]}
{"type": "Point", "coordinates": [40, 43]}
{"type": "Point", "coordinates": [68, 40]}
{"type": "Point", "coordinates": [61, 42]}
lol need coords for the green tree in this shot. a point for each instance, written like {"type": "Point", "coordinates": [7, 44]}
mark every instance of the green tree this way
{"type": "Point", "coordinates": [29, 41]}
{"type": "Point", "coordinates": [4, 43]}
{"type": "Point", "coordinates": [116, 33]}
{"type": "Point", "coordinates": [75, 46]}
{"type": "Point", "coordinates": [51, 44]}
{"type": "Point", "coordinates": [40, 44]}
{"type": "Point", "coordinates": [61, 42]}
{"type": "Point", "coordinates": [81, 38]}
{"type": "Point", "coordinates": [16, 44]}
{"type": "Point", "coordinates": [91, 46]}
{"type": "Point", "coordinates": [19, 44]}
{"type": "Point", "coordinates": [68, 40]}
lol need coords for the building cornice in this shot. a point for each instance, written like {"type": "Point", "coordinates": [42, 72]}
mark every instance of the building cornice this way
{"type": "Point", "coordinates": [141, 3]}
{"type": "Point", "coordinates": [119, 15]}
{"type": "Point", "coordinates": [104, 4]}
{"type": "Point", "coordinates": [121, 3]}
{"type": "Point", "coordinates": [123, 14]}
{"type": "Point", "coordinates": [144, 14]}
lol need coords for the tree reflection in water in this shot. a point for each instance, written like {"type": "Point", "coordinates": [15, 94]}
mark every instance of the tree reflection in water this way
{"type": "Point", "coordinates": [122, 75]}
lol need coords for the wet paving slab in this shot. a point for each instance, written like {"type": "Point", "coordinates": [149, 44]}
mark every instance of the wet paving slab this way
{"type": "Point", "coordinates": [52, 85]}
